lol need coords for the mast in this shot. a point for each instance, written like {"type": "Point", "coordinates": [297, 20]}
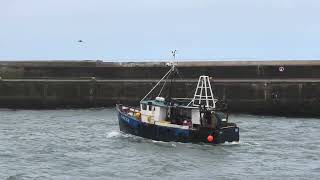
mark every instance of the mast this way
{"type": "Point", "coordinates": [172, 75]}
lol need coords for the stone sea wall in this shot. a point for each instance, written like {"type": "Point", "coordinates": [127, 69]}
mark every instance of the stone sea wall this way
{"type": "Point", "coordinates": [260, 87]}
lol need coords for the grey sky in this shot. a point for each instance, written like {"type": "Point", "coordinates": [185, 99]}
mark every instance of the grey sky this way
{"type": "Point", "coordinates": [149, 29]}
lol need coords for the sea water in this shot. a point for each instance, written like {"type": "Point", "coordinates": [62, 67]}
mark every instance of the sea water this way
{"type": "Point", "coordinates": [87, 144]}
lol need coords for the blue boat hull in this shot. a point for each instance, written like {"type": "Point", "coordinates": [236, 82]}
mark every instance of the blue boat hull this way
{"type": "Point", "coordinates": [131, 125]}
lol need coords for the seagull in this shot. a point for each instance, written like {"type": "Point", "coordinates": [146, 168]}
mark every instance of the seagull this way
{"type": "Point", "coordinates": [80, 41]}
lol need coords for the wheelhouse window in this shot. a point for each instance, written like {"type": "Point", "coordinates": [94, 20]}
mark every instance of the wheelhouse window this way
{"type": "Point", "coordinates": [185, 113]}
{"type": "Point", "coordinates": [150, 108]}
{"type": "Point", "coordinates": [144, 106]}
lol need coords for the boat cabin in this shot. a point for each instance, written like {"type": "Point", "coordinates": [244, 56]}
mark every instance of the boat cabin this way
{"type": "Point", "coordinates": [158, 110]}
{"type": "Point", "coordinates": [153, 110]}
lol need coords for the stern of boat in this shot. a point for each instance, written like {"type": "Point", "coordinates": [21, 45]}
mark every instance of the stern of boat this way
{"type": "Point", "coordinates": [227, 134]}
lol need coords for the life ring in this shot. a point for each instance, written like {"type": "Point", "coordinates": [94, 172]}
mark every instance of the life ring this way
{"type": "Point", "coordinates": [281, 68]}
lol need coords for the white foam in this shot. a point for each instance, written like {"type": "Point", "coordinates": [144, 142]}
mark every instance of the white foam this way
{"type": "Point", "coordinates": [231, 143]}
{"type": "Point", "coordinates": [113, 134]}
{"type": "Point", "coordinates": [163, 143]}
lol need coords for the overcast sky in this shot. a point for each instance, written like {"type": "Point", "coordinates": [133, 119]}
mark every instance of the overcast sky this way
{"type": "Point", "coordinates": [149, 29]}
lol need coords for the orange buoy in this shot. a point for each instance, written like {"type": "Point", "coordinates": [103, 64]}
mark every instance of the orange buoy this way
{"type": "Point", "coordinates": [137, 115]}
{"type": "Point", "coordinates": [210, 138]}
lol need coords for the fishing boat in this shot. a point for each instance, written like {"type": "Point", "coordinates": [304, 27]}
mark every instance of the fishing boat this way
{"type": "Point", "coordinates": [164, 118]}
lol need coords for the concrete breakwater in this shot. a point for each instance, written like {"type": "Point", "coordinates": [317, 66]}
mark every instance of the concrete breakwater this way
{"type": "Point", "coordinates": [262, 87]}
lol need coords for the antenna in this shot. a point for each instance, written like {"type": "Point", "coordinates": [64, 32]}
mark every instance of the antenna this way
{"type": "Point", "coordinates": [174, 54]}
{"type": "Point", "coordinates": [173, 63]}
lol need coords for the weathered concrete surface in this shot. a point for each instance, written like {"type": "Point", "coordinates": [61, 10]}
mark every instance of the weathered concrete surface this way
{"type": "Point", "coordinates": [248, 87]}
{"type": "Point", "coordinates": [147, 70]}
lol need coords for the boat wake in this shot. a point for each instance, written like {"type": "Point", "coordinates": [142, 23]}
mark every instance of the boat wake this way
{"type": "Point", "coordinates": [231, 143]}
{"type": "Point", "coordinates": [113, 134]}
{"type": "Point", "coordinates": [164, 144]}
{"type": "Point", "coordinates": [118, 134]}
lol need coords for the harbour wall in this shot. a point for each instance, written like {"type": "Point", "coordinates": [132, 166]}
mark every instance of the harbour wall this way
{"type": "Point", "coordinates": [260, 87]}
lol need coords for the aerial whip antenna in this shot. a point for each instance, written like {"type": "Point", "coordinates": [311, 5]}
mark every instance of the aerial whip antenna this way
{"type": "Point", "coordinates": [174, 54]}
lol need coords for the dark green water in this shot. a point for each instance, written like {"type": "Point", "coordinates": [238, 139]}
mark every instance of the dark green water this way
{"type": "Point", "coordinates": [86, 144]}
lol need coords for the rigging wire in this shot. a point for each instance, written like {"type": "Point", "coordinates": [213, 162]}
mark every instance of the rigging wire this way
{"type": "Point", "coordinates": [165, 82]}
{"type": "Point", "coordinates": [172, 68]}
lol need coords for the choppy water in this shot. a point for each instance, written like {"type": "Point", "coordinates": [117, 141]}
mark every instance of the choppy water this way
{"type": "Point", "coordinates": [86, 144]}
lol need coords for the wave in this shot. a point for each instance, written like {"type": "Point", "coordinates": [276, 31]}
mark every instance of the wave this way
{"type": "Point", "coordinates": [231, 143]}
{"type": "Point", "coordinates": [15, 177]}
{"type": "Point", "coordinates": [164, 144]}
{"type": "Point", "coordinates": [113, 134]}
